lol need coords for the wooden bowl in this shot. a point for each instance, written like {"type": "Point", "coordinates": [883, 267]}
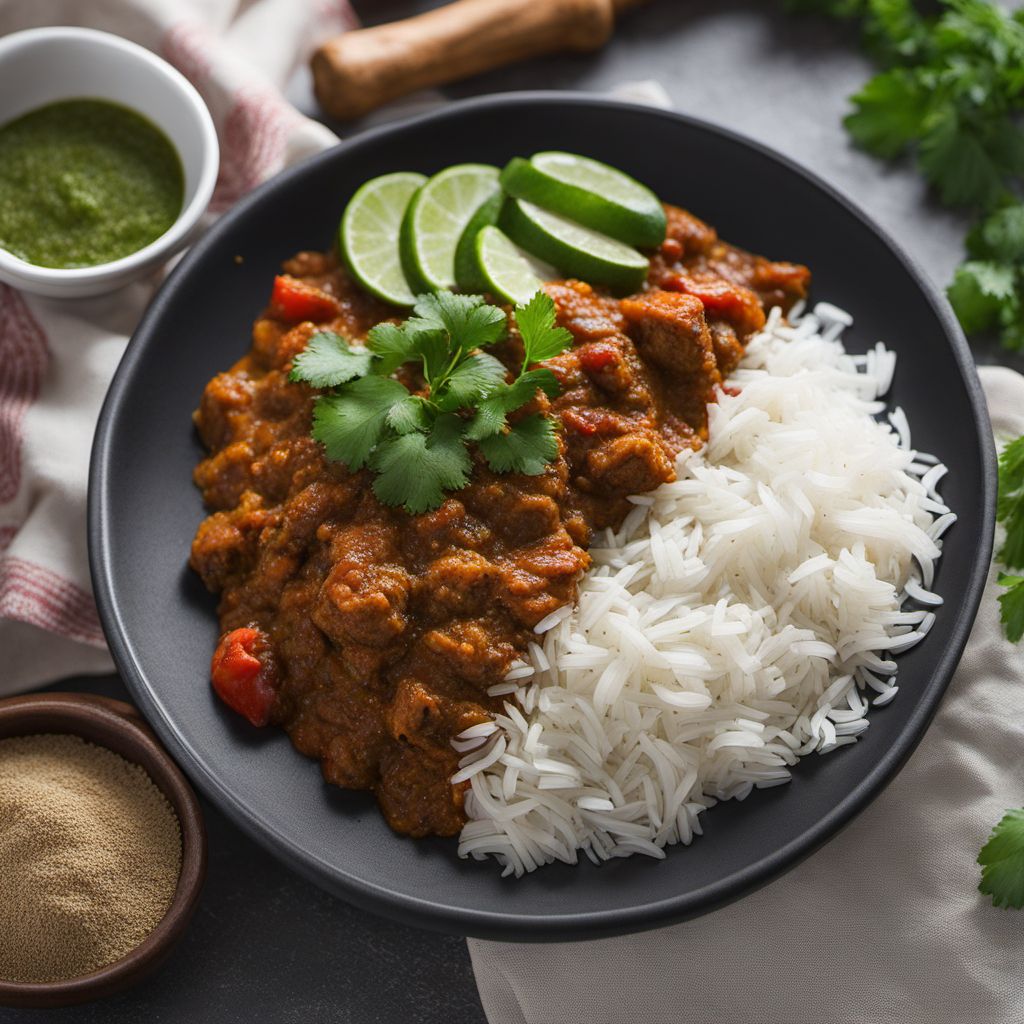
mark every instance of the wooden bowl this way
{"type": "Point", "coordinates": [118, 727]}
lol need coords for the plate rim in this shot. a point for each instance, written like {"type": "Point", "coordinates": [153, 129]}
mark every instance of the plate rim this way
{"type": "Point", "coordinates": [496, 924]}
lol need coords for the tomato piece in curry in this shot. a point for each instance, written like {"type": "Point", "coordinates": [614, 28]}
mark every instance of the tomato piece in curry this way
{"type": "Point", "coordinates": [373, 635]}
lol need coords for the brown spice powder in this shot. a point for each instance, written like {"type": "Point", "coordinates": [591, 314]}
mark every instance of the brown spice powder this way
{"type": "Point", "coordinates": [90, 853]}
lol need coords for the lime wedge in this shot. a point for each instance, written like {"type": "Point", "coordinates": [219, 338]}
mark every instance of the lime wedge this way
{"type": "Point", "coordinates": [435, 220]}
{"type": "Point", "coordinates": [506, 271]}
{"type": "Point", "coordinates": [368, 235]}
{"type": "Point", "coordinates": [575, 250]}
{"type": "Point", "coordinates": [590, 193]}
{"type": "Point", "coordinates": [467, 269]}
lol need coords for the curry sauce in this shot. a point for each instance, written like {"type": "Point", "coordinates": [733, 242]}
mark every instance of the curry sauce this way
{"type": "Point", "coordinates": [373, 635]}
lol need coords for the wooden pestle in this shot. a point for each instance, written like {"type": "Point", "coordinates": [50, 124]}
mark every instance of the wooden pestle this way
{"type": "Point", "coordinates": [362, 69]}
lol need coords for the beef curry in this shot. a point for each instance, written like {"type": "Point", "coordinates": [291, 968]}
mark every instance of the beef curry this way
{"type": "Point", "coordinates": [371, 635]}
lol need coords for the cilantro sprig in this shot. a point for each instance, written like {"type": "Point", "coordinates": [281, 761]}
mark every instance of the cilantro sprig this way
{"type": "Point", "coordinates": [417, 443]}
{"type": "Point", "coordinates": [1002, 862]}
{"type": "Point", "coordinates": [951, 93]}
{"type": "Point", "coordinates": [1010, 512]}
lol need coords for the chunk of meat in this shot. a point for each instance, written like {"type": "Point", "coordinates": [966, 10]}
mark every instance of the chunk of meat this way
{"type": "Point", "coordinates": [726, 300]}
{"type": "Point", "coordinates": [225, 543]}
{"type": "Point", "coordinates": [630, 464]}
{"type": "Point", "coordinates": [454, 584]}
{"type": "Point", "coordinates": [670, 331]}
{"type": "Point", "coordinates": [472, 649]}
{"type": "Point", "coordinates": [588, 315]}
{"type": "Point", "coordinates": [415, 795]}
{"type": "Point", "coordinates": [363, 598]}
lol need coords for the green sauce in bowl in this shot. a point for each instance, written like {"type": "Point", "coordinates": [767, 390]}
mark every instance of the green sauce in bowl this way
{"type": "Point", "coordinates": [85, 182]}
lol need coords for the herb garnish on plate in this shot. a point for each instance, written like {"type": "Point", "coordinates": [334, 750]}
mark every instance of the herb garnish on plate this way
{"type": "Point", "coordinates": [417, 443]}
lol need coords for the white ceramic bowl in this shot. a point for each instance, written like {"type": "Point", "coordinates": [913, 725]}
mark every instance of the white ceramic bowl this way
{"type": "Point", "coordinates": [46, 65]}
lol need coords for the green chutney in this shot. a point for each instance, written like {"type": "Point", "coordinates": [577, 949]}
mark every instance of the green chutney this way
{"type": "Point", "coordinates": [84, 182]}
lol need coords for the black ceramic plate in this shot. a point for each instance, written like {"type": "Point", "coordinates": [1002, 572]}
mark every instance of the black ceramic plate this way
{"type": "Point", "coordinates": [161, 624]}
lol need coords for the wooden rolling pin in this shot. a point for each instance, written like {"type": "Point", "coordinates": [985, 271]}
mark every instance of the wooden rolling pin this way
{"type": "Point", "coordinates": [360, 70]}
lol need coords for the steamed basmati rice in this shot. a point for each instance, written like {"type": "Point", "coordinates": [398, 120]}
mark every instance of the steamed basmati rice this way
{"type": "Point", "coordinates": [744, 616]}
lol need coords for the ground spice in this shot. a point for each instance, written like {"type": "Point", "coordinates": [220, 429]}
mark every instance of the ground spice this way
{"type": "Point", "coordinates": [90, 853]}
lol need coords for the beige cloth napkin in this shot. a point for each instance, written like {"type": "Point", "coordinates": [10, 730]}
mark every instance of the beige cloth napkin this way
{"type": "Point", "coordinates": [883, 925]}
{"type": "Point", "coordinates": [57, 357]}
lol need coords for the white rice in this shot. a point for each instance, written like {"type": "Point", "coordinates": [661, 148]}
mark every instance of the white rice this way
{"type": "Point", "coordinates": [744, 616]}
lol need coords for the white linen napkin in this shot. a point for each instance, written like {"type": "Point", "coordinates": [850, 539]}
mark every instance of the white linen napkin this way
{"type": "Point", "coordinates": [57, 356]}
{"type": "Point", "coordinates": [883, 925]}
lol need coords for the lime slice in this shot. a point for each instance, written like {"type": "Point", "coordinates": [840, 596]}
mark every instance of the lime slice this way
{"type": "Point", "coordinates": [506, 271]}
{"type": "Point", "coordinates": [435, 220]}
{"type": "Point", "coordinates": [467, 269]}
{"type": "Point", "coordinates": [368, 235]}
{"type": "Point", "coordinates": [575, 250]}
{"type": "Point", "coordinates": [590, 193]}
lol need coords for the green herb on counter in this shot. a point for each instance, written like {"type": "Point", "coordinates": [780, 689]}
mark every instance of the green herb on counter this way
{"type": "Point", "coordinates": [1010, 512]}
{"type": "Point", "coordinates": [951, 93]}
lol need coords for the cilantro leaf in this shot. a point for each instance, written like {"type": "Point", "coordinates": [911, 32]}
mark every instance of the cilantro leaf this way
{"type": "Point", "coordinates": [526, 448]}
{"type": "Point", "coordinates": [1010, 506]}
{"type": "Point", "coordinates": [1011, 606]}
{"type": "Point", "coordinates": [350, 422]}
{"type": "Point", "coordinates": [492, 412]}
{"type": "Point", "coordinates": [411, 413]}
{"type": "Point", "coordinates": [980, 291]}
{"type": "Point", "coordinates": [472, 380]}
{"type": "Point", "coordinates": [392, 346]}
{"type": "Point", "coordinates": [415, 469]}
{"type": "Point", "coordinates": [536, 322]}
{"type": "Point", "coordinates": [329, 360]}
{"type": "Point", "coordinates": [889, 112]}
{"type": "Point", "coordinates": [1000, 236]}
{"type": "Point", "coordinates": [468, 320]}
{"type": "Point", "coordinates": [954, 160]}
{"type": "Point", "coordinates": [416, 444]}
{"type": "Point", "coordinates": [1002, 862]}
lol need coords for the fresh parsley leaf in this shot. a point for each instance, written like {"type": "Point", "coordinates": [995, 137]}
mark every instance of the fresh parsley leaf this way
{"type": "Point", "coordinates": [329, 360]}
{"type": "Point", "coordinates": [526, 448]}
{"type": "Point", "coordinates": [492, 412]}
{"type": "Point", "coordinates": [980, 291]}
{"type": "Point", "coordinates": [350, 422]}
{"type": "Point", "coordinates": [1002, 862]}
{"type": "Point", "coordinates": [536, 322]}
{"type": "Point", "coordinates": [415, 469]}
{"type": "Point", "coordinates": [889, 112]}
{"type": "Point", "coordinates": [1011, 606]}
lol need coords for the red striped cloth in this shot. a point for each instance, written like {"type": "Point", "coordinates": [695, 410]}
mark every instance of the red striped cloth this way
{"type": "Point", "coordinates": [57, 357]}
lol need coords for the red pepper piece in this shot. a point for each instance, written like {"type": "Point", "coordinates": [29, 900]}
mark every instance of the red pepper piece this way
{"type": "Point", "coordinates": [295, 300]}
{"type": "Point", "coordinates": [244, 673]}
{"type": "Point", "coordinates": [597, 357]}
{"type": "Point", "coordinates": [593, 422]}
{"type": "Point", "coordinates": [734, 303]}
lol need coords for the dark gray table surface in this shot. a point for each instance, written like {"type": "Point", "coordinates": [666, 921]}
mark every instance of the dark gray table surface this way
{"type": "Point", "coordinates": [268, 946]}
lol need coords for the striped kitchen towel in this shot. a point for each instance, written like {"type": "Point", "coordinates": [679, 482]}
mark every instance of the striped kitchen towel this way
{"type": "Point", "coordinates": [58, 356]}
